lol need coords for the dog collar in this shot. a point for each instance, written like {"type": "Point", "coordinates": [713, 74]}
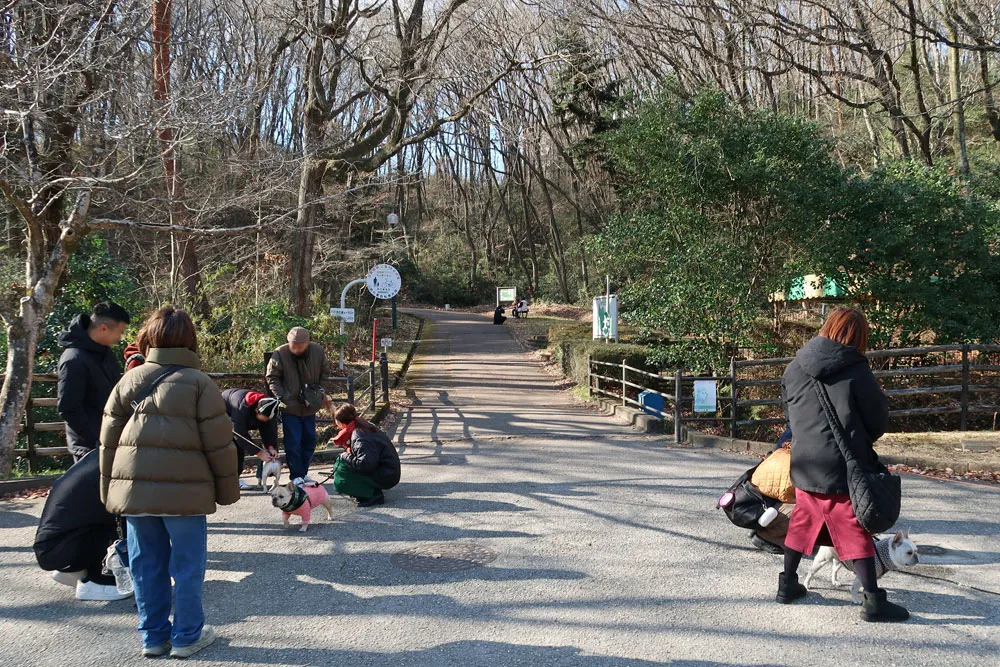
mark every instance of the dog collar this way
{"type": "Point", "coordinates": [298, 498]}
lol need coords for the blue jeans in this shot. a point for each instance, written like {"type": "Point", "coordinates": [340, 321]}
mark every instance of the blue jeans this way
{"type": "Point", "coordinates": [300, 443]}
{"type": "Point", "coordinates": [161, 548]}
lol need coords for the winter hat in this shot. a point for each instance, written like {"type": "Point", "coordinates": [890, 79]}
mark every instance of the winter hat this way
{"type": "Point", "coordinates": [265, 405]}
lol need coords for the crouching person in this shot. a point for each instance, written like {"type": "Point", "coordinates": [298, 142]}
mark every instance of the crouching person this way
{"type": "Point", "coordinates": [165, 464]}
{"type": "Point", "coordinates": [75, 532]}
{"type": "Point", "coordinates": [369, 465]}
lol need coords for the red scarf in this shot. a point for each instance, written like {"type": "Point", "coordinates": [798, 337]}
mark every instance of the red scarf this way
{"type": "Point", "coordinates": [343, 438]}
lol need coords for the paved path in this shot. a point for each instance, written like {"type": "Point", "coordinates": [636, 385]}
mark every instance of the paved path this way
{"type": "Point", "coordinates": [608, 553]}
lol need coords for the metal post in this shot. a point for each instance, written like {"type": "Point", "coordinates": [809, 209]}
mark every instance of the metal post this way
{"type": "Point", "coordinates": [350, 389]}
{"type": "Point", "coordinates": [623, 382]}
{"type": "Point", "coordinates": [677, 406]}
{"type": "Point", "coordinates": [343, 304]}
{"type": "Point", "coordinates": [393, 313]}
{"type": "Point", "coordinates": [371, 384]}
{"type": "Point", "coordinates": [383, 363]}
{"type": "Point", "coordinates": [732, 383]}
{"type": "Point", "coordinates": [965, 388]}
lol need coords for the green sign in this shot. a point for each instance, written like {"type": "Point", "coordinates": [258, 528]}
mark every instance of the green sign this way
{"type": "Point", "coordinates": [505, 294]}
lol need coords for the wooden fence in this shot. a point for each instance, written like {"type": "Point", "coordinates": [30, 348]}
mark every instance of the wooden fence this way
{"type": "Point", "coordinates": [361, 389]}
{"type": "Point", "coordinates": [964, 380]}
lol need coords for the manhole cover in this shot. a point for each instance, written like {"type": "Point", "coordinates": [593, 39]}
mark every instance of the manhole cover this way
{"type": "Point", "coordinates": [443, 557]}
{"type": "Point", "coordinates": [931, 550]}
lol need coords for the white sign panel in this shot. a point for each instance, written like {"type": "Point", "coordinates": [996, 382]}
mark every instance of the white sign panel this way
{"type": "Point", "coordinates": [384, 281]}
{"type": "Point", "coordinates": [606, 317]}
{"type": "Point", "coordinates": [346, 314]}
{"type": "Point", "coordinates": [705, 396]}
{"type": "Point", "coordinates": [386, 342]}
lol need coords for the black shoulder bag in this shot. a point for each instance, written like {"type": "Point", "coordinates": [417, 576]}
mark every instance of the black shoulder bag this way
{"type": "Point", "coordinates": [148, 390]}
{"type": "Point", "coordinates": [876, 493]}
{"type": "Point", "coordinates": [311, 395]}
{"type": "Point", "coordinates": [743, 502]}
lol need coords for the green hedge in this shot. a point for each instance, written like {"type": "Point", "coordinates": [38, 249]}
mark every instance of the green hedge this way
{"type": "Point", "coordinates": [574, 355]}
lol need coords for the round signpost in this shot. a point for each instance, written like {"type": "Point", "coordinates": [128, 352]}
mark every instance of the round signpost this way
{"type": "Point", "coordinates": [383, 281]}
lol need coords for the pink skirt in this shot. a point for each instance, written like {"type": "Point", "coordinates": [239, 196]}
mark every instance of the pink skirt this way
{"type": "Point", "coordinates": [817, 515]}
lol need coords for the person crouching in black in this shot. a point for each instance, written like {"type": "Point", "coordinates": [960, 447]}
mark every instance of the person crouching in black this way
{"type": "Point", "coordinates": [75, 532]}
{"type": "Point", "coordinates": [498, 315]}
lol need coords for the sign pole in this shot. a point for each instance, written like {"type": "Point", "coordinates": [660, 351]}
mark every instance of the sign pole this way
{"type": "Point", "coordinates": [343, 304]}
{"type": "Point", "coordinates": [393, 313]}
{"type": "Point", "coordinates": [607, 301]}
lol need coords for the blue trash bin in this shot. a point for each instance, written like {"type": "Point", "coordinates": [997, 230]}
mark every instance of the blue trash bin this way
{"type": "Point", "coordinates": [652, 403]}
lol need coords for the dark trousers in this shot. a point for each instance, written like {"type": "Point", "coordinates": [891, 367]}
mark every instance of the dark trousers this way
{"type": "Point", "coordinates": [300, 442]}
{"type": "Point", "coordinates": [83, 549]}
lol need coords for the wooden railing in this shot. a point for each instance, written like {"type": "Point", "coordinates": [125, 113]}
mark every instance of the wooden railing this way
{"type": "Point", "coordinates": [360, 389]}
{"type": "Point", "coordinates": [745, 383]}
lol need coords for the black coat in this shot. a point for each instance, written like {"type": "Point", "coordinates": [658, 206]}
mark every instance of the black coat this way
{"type": "Point", "coordinates": [74, 523]}
{"type": "Point", "coordinates": [373, 454]}
{"type": "Point", "coordinates": [817, 464]}
{"type": "Point", "coordinates": [244, 420]}
{"type": "Point", "coordinates": [88, 372]}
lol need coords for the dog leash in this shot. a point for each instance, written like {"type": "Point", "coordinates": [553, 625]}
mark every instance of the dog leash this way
{"type": "Point", "coordinates": [249, 442]}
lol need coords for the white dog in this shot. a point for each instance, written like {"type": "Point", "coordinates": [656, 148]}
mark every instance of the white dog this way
{"type": "Point", "coordinates": [891, 553]}
{"type": "Point", "coordinates": [272, 469]}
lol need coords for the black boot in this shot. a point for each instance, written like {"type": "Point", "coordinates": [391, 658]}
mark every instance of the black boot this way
{"type": "Point", "coordinates": [764, 545]}
{"type": "Point", "coordinates": [789, 588]}
{"type": "Point", "coordinates": [877, 609]}
{"type": "Point", "coordinates": [377, 499]}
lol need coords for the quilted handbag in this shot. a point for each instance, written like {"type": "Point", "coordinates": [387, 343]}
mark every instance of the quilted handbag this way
{"type": "Point", "coordinates": [875, 492]}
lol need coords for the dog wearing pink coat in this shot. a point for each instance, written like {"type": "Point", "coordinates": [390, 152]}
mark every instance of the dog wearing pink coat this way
{"type": "Point", "coordinates": [301, 500]}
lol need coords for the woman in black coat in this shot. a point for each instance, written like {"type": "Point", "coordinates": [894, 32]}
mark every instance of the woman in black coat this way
{"type": "Point", "coordinates": [369, 463]}
{"type": "Point", "coordinates": [823, 510]}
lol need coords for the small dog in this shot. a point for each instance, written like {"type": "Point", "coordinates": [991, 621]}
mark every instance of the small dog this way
{"type": "Point", "coordinates": [291, 499]}
{"type": "Point", "coordinates": [891, 554]}
{"type": "Point", "coordinates": [271, 469]}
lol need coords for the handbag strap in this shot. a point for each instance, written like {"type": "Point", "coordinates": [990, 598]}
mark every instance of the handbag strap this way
{"type": "Point", "coordinates": [148, 390]}
{"type": "Point", "coordinates": [839, 432]}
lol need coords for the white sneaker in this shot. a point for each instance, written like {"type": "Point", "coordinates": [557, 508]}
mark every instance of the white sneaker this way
{"type": "Point", "coordinates": [308, 480]}
{"type": "Point", "coordinates": [88, 590]}
{"type": "Point", "coordinates": [299, 481]}
{"type": "Point", "coordinates": [68, 578]}
{"type": "Point", "coordinates": [244, 486]}
{"type": "Point", "coordinates": [206, 639]}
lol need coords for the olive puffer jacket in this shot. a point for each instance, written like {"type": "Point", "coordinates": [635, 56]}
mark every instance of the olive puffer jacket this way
{"type": "Point", "coordinates": [176, 455]}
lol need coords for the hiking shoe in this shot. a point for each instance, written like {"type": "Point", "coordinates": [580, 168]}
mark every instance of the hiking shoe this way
{"type": "Point", "coordinates": [90, 591]}
{"type": "Point", "coordinates": [789, 588]}
{"type": "Point", "coordinates": [877, 609]}
{"type": "Point", "coordinates": [765, 546]}
{"type": "Point", "coordinates": [204, 641]}
{"type": "Point", "coordinates": [68, 578]}
{"type": "Point", "coordinates": [156, 651]}
{"type": "Point", "coordinates": [378, 499]}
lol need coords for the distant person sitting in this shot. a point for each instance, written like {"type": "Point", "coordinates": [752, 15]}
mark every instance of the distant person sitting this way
{"type": "Point", "coordinates": [88, 371]}
{"type": "Point", "coordinates": [75, 532]}
{"type": "Point", "coordinates": [498, 315]}
{"type": "Point", "coordinates": [369, 464]}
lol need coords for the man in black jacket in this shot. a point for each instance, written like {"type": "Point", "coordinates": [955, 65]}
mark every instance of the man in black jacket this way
{"type": "Point", "coordinates": [75, 532]}
{"type": "Point", "coordinates": [88, 371]}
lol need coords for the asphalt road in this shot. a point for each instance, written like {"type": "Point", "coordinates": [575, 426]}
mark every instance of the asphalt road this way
{"type": "Point", "coordinates": [600, 548]}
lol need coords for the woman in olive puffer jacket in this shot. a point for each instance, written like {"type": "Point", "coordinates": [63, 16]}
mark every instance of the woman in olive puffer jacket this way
{"type": "Point", "coordinates": [165, 468]}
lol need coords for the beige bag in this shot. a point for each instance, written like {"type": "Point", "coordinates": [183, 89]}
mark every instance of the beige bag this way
{"type": "Point", "coordinates": [774, 476]}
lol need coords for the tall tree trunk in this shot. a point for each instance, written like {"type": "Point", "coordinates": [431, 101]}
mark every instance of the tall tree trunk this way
{"type": "Point", "coordinates": [955, 85]}
{"type": "Point", "coordinates": [185, 246]}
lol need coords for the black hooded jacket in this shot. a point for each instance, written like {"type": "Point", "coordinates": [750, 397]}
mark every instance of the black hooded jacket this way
{"type": "Point", "coordinates": [373, 454]}
{"type": "Point", "coordinates": [245, 419]}
{"type": "Point", "coordinates": [817, 464]}
{"type": "Point", "coordinates": [88, 371]}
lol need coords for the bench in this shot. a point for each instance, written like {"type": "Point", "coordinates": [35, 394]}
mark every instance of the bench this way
{"type": "Point", "coordinates": [520, 312]}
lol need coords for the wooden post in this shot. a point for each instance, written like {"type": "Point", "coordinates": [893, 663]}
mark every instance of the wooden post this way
{"type": "Point", "coordinates": [350, 389]}
{"type": "Point", "coordinates": [963, 425]}
{"type": "Point", "coordinates": [29, 434]}
{"type": "Point", "coordinates": [384, 373]}
{"type": "Point", "coordinates": [590, 378]}
{"type": "Point", "coordinates": [733, 428]}
{"type": "Point", "coordinates": [623, 382]}
{"type": "Point", "coordinates": [371, 384]}
{"type": "Point", "coordinates": [677, 406]}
